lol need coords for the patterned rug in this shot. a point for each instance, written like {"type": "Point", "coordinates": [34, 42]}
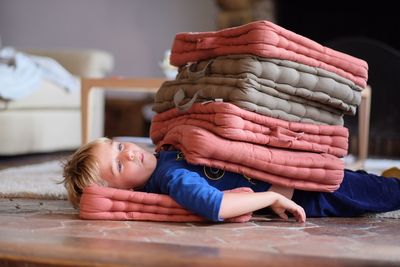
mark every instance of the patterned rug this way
{"type": "Point", "coordinates": [33, 181]}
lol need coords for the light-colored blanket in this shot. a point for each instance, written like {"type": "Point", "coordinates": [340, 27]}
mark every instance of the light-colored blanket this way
{"type": "Point", "coordinates": [266, 39]}
{"type": "Point", "coordinates": [233, 123]}
{"type": "Point", "coordinates": [21, 74]}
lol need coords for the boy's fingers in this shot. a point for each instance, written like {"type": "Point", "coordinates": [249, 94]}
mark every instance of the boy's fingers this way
{"type": "Point", "coordinates": [303, 215]}
{"type": "Point", "coordinates": [283, 215]}
{"type": "Point", "coordinates": [300, 218]}
{"type": "Point", "coordinates": [299, 214]}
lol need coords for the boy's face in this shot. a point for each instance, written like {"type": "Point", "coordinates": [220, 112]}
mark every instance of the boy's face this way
{"type": "Point", "coordinates": [124, 165]}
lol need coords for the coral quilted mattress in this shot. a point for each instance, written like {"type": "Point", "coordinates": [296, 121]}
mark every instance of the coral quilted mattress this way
{"type": "Point", "coordinates": [296, 169]}
{"type": "Point", "coordinates": [266, 39]}
{"type": "Point", "coordinates": [233, 123]}
{"type": "Point", "coordinates": [105, 203]}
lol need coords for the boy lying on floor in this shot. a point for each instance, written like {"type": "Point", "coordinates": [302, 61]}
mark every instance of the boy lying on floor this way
{"type": "Point", "coordinates": [200, 189]}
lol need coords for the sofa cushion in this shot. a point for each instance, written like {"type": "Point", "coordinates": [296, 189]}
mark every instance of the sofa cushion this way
{"type": "Point", "coordinates": [39, 131]}
{"type": "Point", "coordinates": [48, 95]}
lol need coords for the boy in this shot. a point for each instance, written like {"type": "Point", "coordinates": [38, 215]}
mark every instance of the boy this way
{"type": "Point", "coordinates": [125, 165]}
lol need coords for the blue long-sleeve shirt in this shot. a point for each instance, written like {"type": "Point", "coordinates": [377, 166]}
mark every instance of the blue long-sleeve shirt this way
{"type": "Point", "coordinates": [197, 188]}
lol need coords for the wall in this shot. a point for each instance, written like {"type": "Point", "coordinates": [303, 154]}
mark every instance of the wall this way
{"type": "Point", "coordinates": [342, 18]}
{"type": "Point", "coordinates": [137, 32]}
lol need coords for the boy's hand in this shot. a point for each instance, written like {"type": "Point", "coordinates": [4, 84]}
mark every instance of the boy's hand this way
{"type": "Point", "coordinates": [235, 204]}
{"type": "Point", "coordinates": [283, 205]}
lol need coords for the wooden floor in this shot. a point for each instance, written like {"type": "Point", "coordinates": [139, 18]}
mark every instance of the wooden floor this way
{"type": "Point", "coordinates": [36, 232]}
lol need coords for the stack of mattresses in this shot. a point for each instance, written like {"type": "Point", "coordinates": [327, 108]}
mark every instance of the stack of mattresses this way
{"type": "Point", "coordinates": [262, 101]}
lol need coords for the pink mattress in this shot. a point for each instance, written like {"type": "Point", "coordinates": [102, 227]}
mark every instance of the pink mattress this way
{"type": "Point", "coordinates": [105, 203]}
{"type": "Point", "coordinates": [266, 39]}
{"type": "Point", "coordinates": [231, 122]}
{"type": "Point", "coordinates": [295, 169]}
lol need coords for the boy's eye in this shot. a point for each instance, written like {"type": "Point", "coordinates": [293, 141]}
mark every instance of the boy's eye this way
{"type": "Point", "coordinates": [119, 166]}
{"type": "Point", "coordinates": [120, 147]}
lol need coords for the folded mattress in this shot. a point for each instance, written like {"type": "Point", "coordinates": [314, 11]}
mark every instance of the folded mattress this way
{"type": "Point", "coordinates": [296, 169]}
{"type": "Point", "coordinates": [233, 123]}
{"type": "Point", "coordinates": [284, 78]}
{"type": "Point", "coordinates": [266, 39]}
{"type": "Point", "coordinates": [246, 93]}
{"type": "Point", "coordinates": [105, 203]}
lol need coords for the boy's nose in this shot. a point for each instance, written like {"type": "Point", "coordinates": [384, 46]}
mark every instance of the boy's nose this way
{"type": "Point", "coordinates": [130, 155]}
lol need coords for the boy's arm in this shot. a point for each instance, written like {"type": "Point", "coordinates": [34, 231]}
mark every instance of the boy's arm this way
{"type": "Point", "coordinates": [235, 204]}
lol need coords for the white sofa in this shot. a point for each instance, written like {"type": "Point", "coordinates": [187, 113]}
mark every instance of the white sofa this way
{"type": "Point", "coordinates": [49, 119]}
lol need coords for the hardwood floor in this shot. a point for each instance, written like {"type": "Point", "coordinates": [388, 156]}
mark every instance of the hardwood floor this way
{"type": "Point", "coordinates": [39, 232]}
{"type": "Point", "coordinates": [50, 233]}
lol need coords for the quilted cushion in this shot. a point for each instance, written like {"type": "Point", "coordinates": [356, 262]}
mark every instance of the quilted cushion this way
{"type": "Point", "coordinates": [105, 203]}
{"type": "Point", "coordinates": [295, 169]}
{"type": "Point", "coordinates": [231, 122]}
{"type": "Point", "coordinates": [291, 79]}
{"type": "Point", "coordinates": [266, 39]}
{"type": "Point", "coordinates": [247, 94]}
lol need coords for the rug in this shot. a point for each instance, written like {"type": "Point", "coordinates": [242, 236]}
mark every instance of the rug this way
{"type": "Point", "coordinates": [42, 181]}
{"type": "Point", "coordinates": [33, 181]}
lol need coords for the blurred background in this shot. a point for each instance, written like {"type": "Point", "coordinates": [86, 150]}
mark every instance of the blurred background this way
{"type": "Point", "coordinates": [137, 33]}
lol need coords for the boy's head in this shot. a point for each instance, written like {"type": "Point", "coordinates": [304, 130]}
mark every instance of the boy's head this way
{"type": "Point", "coordinates": [105, 162]}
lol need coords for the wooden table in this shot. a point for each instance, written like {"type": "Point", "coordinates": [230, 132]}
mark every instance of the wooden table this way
{"type": "Point", "coordinates": [133, 84]}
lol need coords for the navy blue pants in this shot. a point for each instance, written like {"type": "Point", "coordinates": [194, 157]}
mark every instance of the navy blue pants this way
{"type": "Point", "coordinates": [359, 193]}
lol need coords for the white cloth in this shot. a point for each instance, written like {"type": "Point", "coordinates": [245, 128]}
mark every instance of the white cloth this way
{"type": "Point", "coordinates": [21, 74]}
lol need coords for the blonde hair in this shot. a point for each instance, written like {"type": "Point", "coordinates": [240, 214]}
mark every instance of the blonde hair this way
{"type": "Point", "coordinates": [81, 170]}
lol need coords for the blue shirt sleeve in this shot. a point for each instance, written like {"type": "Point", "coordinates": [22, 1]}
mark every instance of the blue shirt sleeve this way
{"type": "Point", "coordinates": [192, 192]}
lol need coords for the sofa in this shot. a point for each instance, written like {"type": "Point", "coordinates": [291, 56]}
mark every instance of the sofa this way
{"type": "Point", "coordinates": [49, 119]}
